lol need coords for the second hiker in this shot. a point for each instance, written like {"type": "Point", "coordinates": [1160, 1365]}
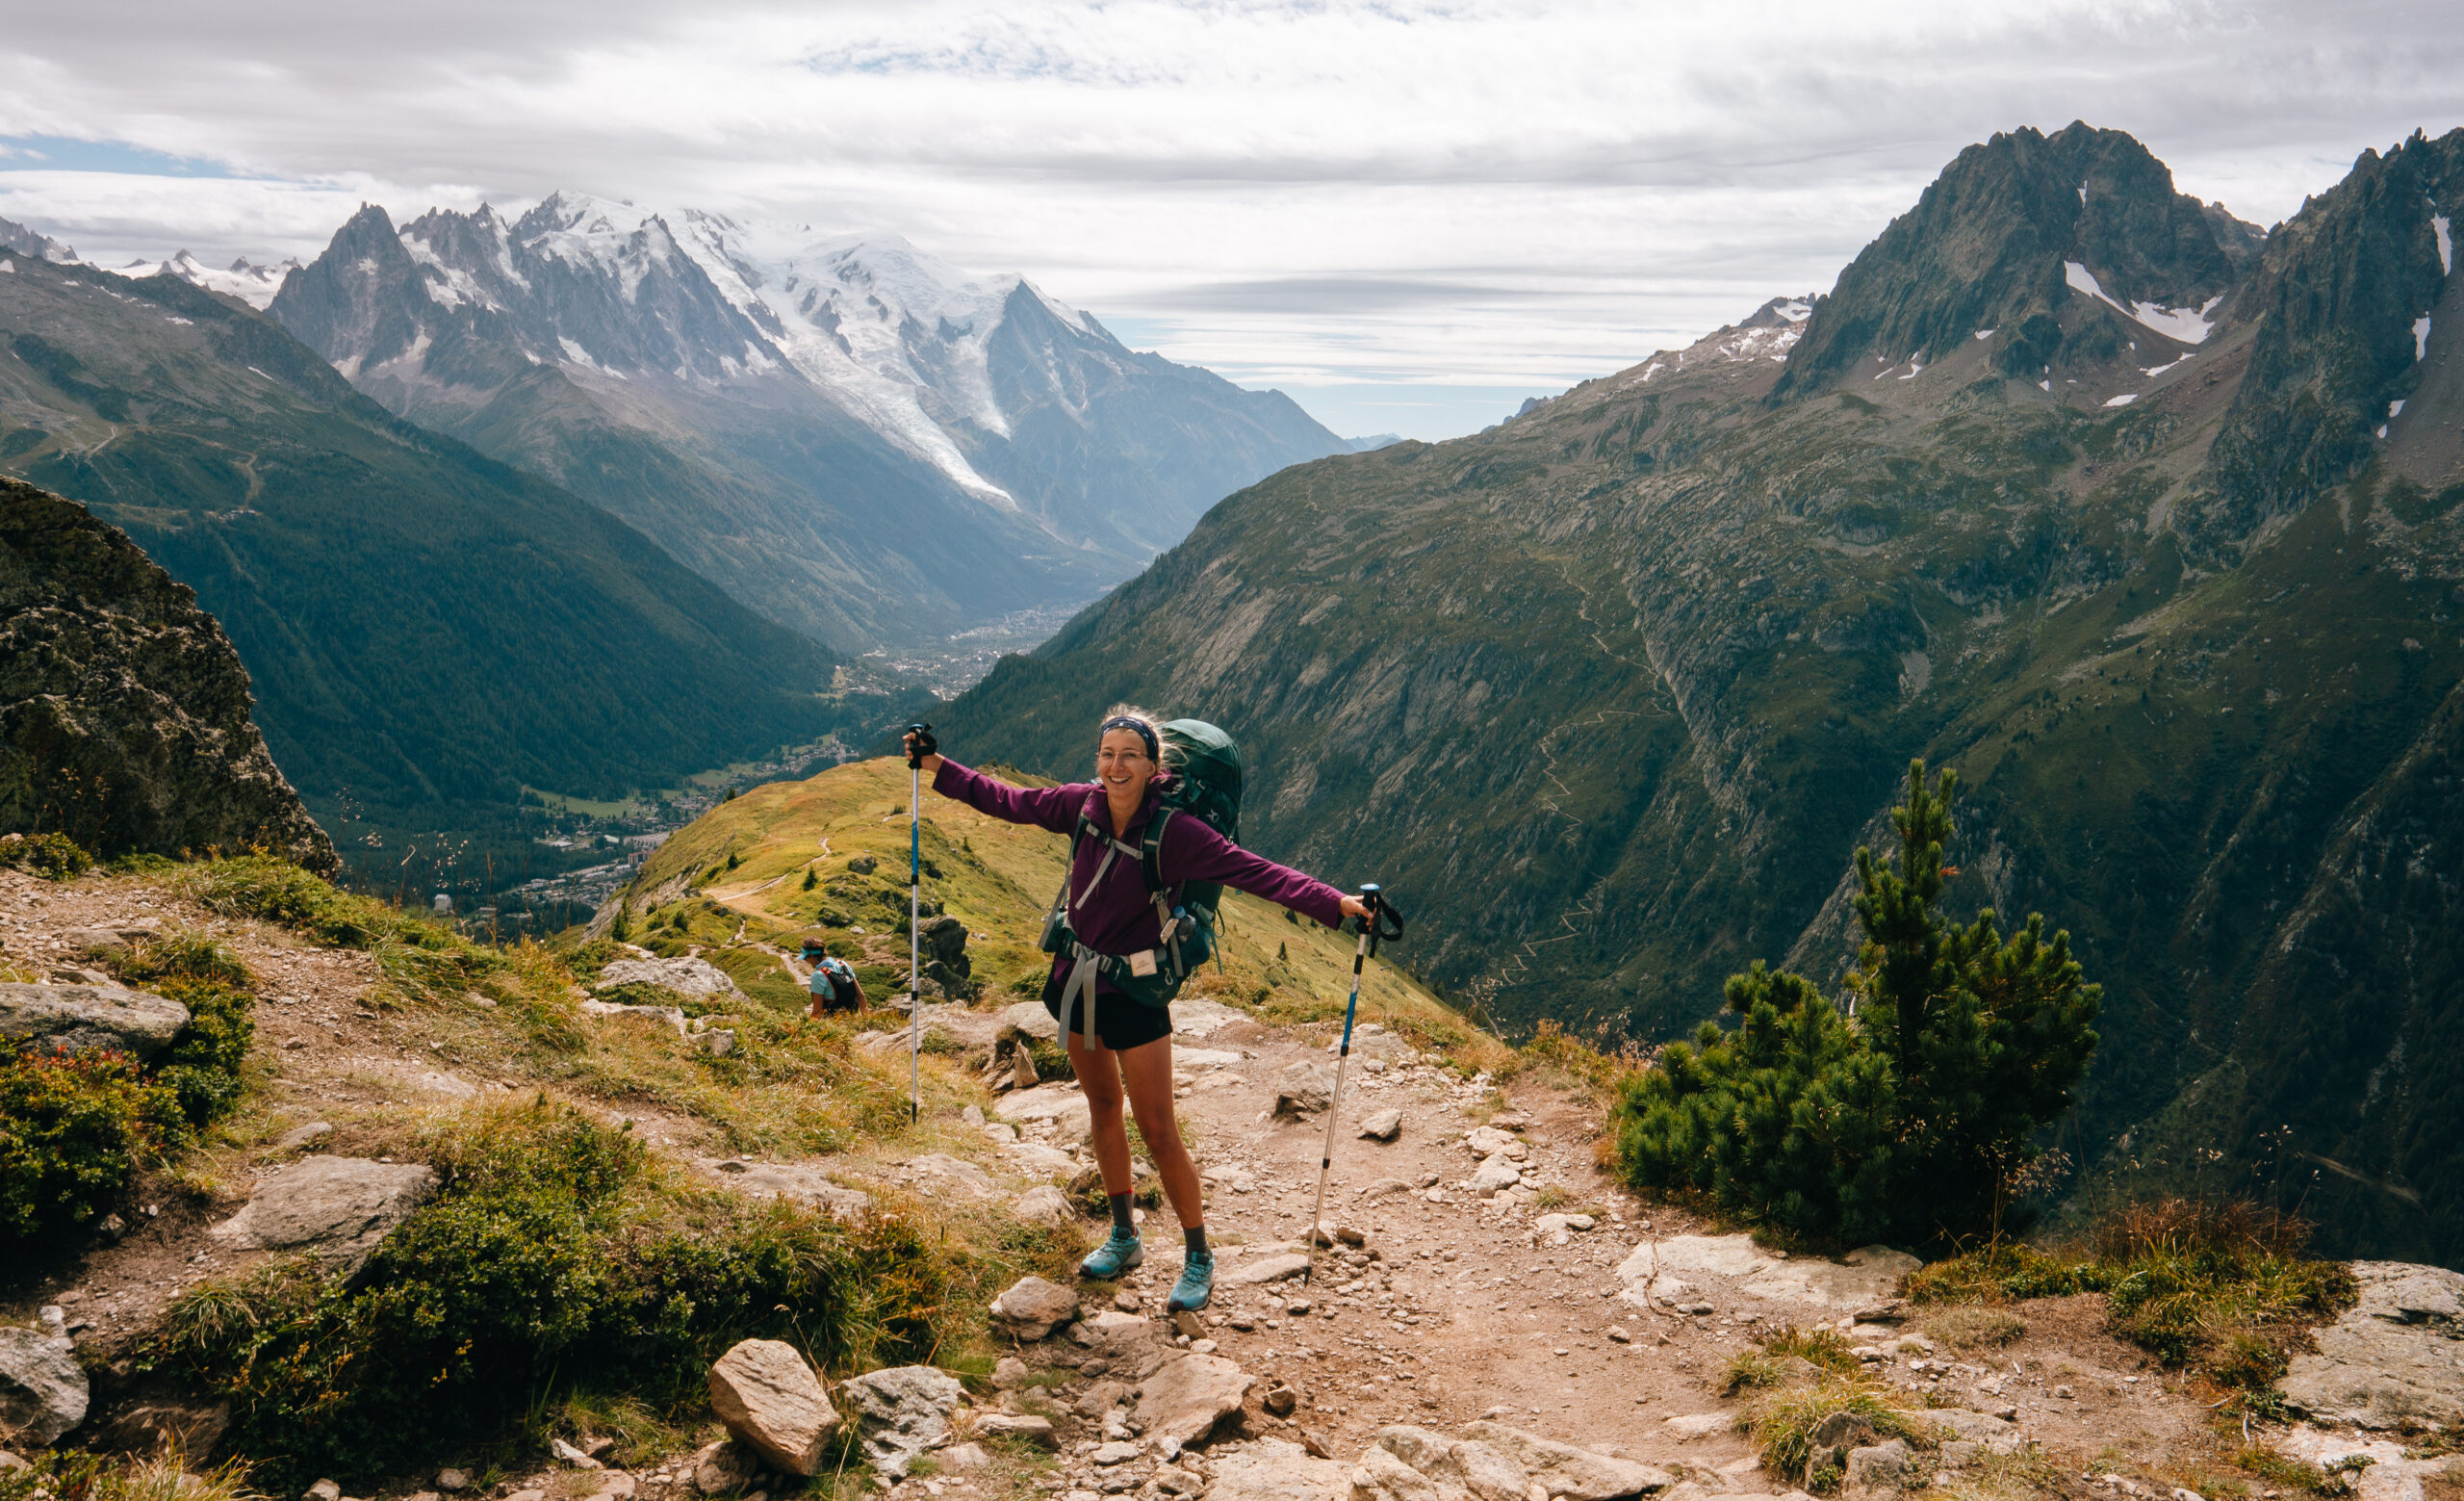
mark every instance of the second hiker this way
{"type": "Point", "coordinates": [1112, 929]}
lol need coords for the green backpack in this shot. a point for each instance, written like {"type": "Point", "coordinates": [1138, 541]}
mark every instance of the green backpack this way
{"type": "Point", "coordinates": [1207, 787]}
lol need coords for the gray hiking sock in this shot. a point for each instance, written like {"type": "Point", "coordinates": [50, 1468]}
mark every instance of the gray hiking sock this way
{"type": "Point", "coordinates": [1120, 1215]}
{"type": "Point", "coordinates": [1193, 1236]}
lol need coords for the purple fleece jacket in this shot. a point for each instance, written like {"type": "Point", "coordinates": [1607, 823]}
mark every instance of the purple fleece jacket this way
{"type": "Point", "coordinates": [1118, 918]}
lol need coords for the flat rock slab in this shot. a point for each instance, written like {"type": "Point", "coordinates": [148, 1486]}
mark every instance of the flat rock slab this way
{"type": "Point", "coordinates": [800, 1183]}
{"type": "Point", "coordinates": [1571, 1473]}
{"type": "Point", "coordinates": [336, 1208]}
{"type": "Point", "coordinates": [1867, 1275]}
{"type": "Point", "coordinates": [42, 1388]}
{"type": "Point", "coordinates": [937, 1175]}
{"type": "Point", "coordinates": [1028, 1017]}
{"type": "Point", "coordinates": [2396, 1356]}
{"type": "Point", "coordinates": [665, 1016]}
{"type": "Point", "coordinates": [1259, 1269]}
{"type": "Point", "coordinates": [1206, 1057]}
{"type": "Point", "coordinates": [1044, 1205]}
{"type": "Point", "coordinates": [900, 1412]}
{"type": "Point", "coordinates": [83, 1019]}
{"type": "Point", "coordinates": [1201, 1018]}
{"type": "Point", "coordinates": [691, 975]}
{"type": "Point", "coordinates": [1188, 1395]}
{"type": "Point", "coordinates": [770, 1399]}
{"type": "Point", "coordinates": [1270, 1469]}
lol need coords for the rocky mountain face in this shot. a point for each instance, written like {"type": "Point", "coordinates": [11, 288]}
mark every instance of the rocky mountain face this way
{"type": "Point", "coordinates": [2170, 564]}
{"type": "Point", "coordinates": [854, 439]}
{"type": "Point", "coordinates": [123, 709]}
{"type": "Point", "coordinates": [422, 625]}
{"type": "Point", "coordinates": [16, 237]}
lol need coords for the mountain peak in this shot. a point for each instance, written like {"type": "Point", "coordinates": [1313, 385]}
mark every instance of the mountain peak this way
{"type": "Point", "coordinates": [16, 237]}
{"type": "Point", "coordinates": [1999, 244]}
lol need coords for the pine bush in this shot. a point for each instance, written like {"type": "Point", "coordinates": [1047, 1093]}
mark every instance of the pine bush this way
{"type": "Point", "coordinates": [1905, 1109]}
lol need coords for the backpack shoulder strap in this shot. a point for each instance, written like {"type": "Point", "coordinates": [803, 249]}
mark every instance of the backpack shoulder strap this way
{"type": "Point", "coordinates": [1150, 851]}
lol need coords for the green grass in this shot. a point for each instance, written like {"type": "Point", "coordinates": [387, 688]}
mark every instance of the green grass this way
{"type": "Point", "coordinates": [2223, 1288]}
{"type": "Point", "coordinates": [1782, 1424]}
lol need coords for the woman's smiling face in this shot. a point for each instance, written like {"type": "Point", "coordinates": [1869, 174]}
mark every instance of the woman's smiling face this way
{"type": "Point", "coordinates": [1121, 761]}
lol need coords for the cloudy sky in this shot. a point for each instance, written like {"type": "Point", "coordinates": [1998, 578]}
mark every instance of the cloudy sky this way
{"type": "Point", "coordinates": [1410, 215]}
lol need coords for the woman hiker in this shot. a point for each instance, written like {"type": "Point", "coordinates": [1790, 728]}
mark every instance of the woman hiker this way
{"type": "Point", "coordinates": [1117, 1046]}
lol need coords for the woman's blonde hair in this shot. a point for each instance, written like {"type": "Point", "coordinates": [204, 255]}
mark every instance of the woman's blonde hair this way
{"type": "Point", "coordinates": [1165, 756]}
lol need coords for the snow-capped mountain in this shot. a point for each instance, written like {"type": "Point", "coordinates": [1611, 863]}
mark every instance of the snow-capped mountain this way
{"type": "Point", "coordinates": [252, 284]}
{"type": "Point", "coordinates": [16, 237]}
{"type": "Point", "coordinates": [850, 435]}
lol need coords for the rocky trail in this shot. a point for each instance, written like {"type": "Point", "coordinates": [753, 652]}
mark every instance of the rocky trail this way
{"type": "Point", "coordinates": [1494, 1316]}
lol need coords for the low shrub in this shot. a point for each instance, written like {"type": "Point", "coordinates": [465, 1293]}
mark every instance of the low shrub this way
{"type": "Point", "coordinates": [2221, 1289]}
{"type": "Point", "coordinates": [1782, 1424]}
{"type": "Point", "coordinates": [54, 857]}
{"type": "Point", "coordinates": [1967, 1330]}
{"type": "Point", "coordinates": [73, 1475]}
{"type": "Point", "coordinates": [74, 1130]}
{"type": "Point", "coordinates": [559, 1258]}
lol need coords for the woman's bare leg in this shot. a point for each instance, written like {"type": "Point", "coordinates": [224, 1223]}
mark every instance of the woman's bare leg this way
{"type": "Point", "coordinates": [1148, 1070]}
{"type": "Point", "coordinates": [1099, 1081]}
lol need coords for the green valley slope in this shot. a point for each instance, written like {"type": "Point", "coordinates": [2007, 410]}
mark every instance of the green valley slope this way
{"type": "Point", "coordinates": [426, 629]}
{"type": "Point", "coordinates": [1608, 694]}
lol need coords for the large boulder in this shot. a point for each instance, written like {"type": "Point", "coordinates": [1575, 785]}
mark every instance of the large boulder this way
{"type": "Point", "coordinates": [771, 1400]}
{"type": "Point", "coordinates": [337, 1210]}
{"type": "Point", "coordinates": [85, 1019]}
{"type": "Point", "coordinates": [124, 711]}
{"type": "Point", "coordinates": [900, 1412]}
{"type": "Point", "coordinates": [1188, 1395]}
{"type": "Point", "coordinates": [2394, 1358]}
{"type": "Point", "coordinates": [42, 1388]}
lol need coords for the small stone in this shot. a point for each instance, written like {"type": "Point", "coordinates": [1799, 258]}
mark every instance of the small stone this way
{"type": "Point", "coordinates": [972, 1115]}
{"type": "Point", "coordinates": [1009, 1373]}
{"type": "Point", "coordinates": [1024, 1427]}
{"type": "Point", "coordinates": [452, 1480]}
{"type": "Point", "coordinates": [322, 1491]}
{"type": "Point", "coordinates": [1618, 1333]}
{"type": "Point", "coordinates": [1384, 1126]}
{"type": "Point", "coordinates": [2064, 1393]}
{"type": "Point", "coordinates": [1880, 1466]}
{"type": "Point", "coordinates": [1031, 1306]}
{"type": "Point", "coordinates": [571, 1454]}
{"type": "Point", "coordinates": [1116, 1453]}
{"type": "Point", "coordinates": [718, 1468]}
{"type": "Point", "coordinates": [1126, 1300]}
{"type": "Point", "coordinates": [1188, 1396]}
{"type": "Point", "coordinates": [1281, 1401]}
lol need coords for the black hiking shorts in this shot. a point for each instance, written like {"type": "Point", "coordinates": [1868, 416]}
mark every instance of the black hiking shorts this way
{"type": "Point", "coordinates": [1121, 1023]}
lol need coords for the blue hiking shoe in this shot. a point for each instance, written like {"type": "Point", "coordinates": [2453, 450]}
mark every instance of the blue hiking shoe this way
{"type": "Point", "coordinates": [1123, 1251]}
{"type": "Point", "coordinates": [1196, 1284]}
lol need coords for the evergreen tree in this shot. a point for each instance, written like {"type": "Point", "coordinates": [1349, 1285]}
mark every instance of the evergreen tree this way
{"type": "Point", "coordinates": [1908, 1114]}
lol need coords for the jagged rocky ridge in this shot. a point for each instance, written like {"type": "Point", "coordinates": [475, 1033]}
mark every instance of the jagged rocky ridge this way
{"type": "Point", "coordinates": [123, 709]}
{"type": "Point", "coordinates": [847, 435]}
{"type": "Point", "coordinates": [1608, 694]}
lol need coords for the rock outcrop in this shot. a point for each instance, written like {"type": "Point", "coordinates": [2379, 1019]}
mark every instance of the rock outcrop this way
{"type": "Point", "coordinates": [91, 1019]}
{"type": "Point", "coordinates": [124, 711]}
{"type": "Point", "coordinates": [900, 1412]}
{"type": "Point", "coordinates": [42, 1388]}
{"type": "Point", "coordinates": [2396, 1358]}
{"type": "Point", "coordinates": [335, 1208]}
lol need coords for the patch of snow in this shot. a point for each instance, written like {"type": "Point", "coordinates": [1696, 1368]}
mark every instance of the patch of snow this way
{"type": "Point", "coordinates": [1915, 370]}
{"type": "Point", "coordinates": [2421, 338]}
{"type": "Point", "coordinates": [259, 374]}
{"type": "Point", "coordinates": [2083, 192]}
{"type": "Point", "coordinates": [2044, 385]}
{"type": "Point", "coordinates": [2123, 400]}
{"type": "Point", "coordinates": [1984, 333]}
{"type": "Point", "coordinates": [1797, 312]}
{"type": "Point", "coordinates": [2186, 324]}
{"type": "Point", "coordinates": [8, 265]}
{"type": "Point", "coordinates": [2394, 409]}
{"type": "Point", "coordinates": [2382, 431]}
{"type": "Point", "coordinates": [2159, 369]}
{"type": "Point", "coordinates": [2446, 244]}
{"type": "Point", "coordinates": [254, 285]}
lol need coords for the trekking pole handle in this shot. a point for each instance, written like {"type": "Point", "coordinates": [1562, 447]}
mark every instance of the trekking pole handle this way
{"type": "Point", "coordinates": [1384, 924]}
{"type": "Point", "coordinates": [919, 745]}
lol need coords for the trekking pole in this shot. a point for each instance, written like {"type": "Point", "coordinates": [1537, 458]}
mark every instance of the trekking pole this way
{"type": "Point", "coordinates": [1373, 932]}
{"type": "Point", "coordinates": [922, 747]}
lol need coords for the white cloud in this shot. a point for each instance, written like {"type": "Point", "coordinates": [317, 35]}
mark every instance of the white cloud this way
{"type": "Point", "coordinates": [1326, 195]}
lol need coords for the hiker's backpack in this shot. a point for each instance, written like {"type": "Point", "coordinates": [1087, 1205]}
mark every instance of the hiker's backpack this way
{"type": "Point", "coordinates": [842, 981]}
{"type": "Point", "coordinates": [1206, 786]}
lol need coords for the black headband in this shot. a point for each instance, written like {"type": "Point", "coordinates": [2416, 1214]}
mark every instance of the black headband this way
{"type": "Point", "coordinates": [1145, 732]}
